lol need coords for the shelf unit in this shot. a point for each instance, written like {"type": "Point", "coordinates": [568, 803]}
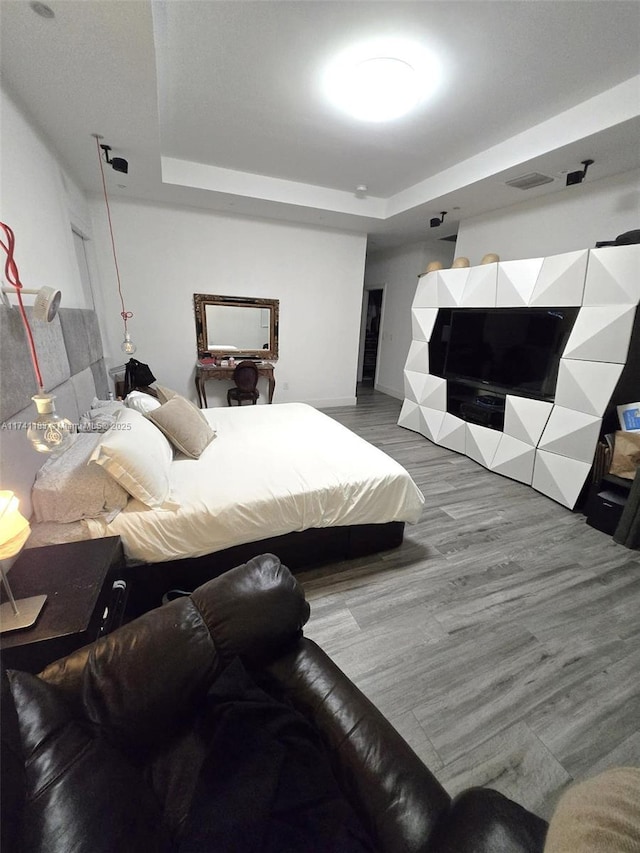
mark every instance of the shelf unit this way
{"type": "Point", "coordinates": [548, 445]}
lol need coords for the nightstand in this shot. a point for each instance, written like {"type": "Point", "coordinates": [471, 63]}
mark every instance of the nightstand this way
{"type": "Point", "coordinates": [86, 593]}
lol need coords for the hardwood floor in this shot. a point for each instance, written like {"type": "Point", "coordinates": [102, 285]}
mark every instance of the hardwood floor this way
{"type": "Point", "coordinates": [502, 639]}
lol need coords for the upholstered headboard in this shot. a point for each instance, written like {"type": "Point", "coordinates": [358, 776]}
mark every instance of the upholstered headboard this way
{"type": "Point", "coordinates": [72, 366]}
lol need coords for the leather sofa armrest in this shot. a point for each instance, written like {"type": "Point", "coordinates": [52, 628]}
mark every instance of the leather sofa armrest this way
{"type": "Point", "coordinates": [397, 798]}
{"type": "Point", "coordinates": [482, 820]}
{"type": "Point", "coordinates": [145, 678]}
{"type": "Point", "coordinates": [253, 611]}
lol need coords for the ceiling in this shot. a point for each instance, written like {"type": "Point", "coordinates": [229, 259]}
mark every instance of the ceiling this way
{"type": "Point", "coordinates": [219, 104]}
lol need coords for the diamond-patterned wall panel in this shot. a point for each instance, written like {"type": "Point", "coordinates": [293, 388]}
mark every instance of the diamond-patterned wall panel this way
{"type": "Point", "coordinates": [525, 419]}
{"type": "Point", "coordinates": [561, 280]}
{"type": "Point", "coordinates": [516, 282]}
{"type": "Point", "coordinates": [434, 393]}
{"type": "Point", "coordinates": [409, 416]}
{"type": "Point", "coordinates": [451, 284]}
{"type": "Point", "coordinates": [482, 443]}
{"type": "Point", "coordinates": [418, 357]}
{"type": "Point", "coordinates": [431, 422]}
{"type": "Point", "coordinates": [601, 334]}
{"type": "Point", "coordinates": [571, 434]}
{"type": "Point", "coordinates": [426, 291]}
{"type": "Point", "coordinates": [480, 291]}
{"type": "Point", "coordinates": [514, 459]}
{"type": "Point", "coordinates": [558, 477]}
{"type": "Point", "coordinates": [452, 433]}
{"type": "Point", "coordinates": [422, 322]}
{"type": "Point", "coordinates": [414, 385]}
{"type": "Point", "coordinates": [586, 386]}
{"type": "Point", "coordinates": [613, 276]}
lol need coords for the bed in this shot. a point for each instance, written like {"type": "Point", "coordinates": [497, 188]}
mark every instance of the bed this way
{"type": "Point", "coordinates": [283, 478]}
{"type": "Point", "coordinates": [270, 470]}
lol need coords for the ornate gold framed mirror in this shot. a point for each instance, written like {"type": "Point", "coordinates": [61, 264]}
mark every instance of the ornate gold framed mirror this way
{"type": "Point", "coordinates": [236, 326]}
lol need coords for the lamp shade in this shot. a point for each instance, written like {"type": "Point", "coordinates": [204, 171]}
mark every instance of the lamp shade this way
{"type": "Point", "coordinates": [14, 527]}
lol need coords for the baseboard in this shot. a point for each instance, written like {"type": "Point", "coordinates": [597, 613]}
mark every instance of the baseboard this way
{"type": "Point", "coordinates": [391, 392]}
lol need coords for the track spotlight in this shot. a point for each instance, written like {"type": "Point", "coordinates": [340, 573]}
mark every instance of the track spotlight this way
{"type": "Point", "coordinates": [435, 222]}
{"type": "Point", "coordinates": [578, 176]}
{"type": "Point", "coordinates": [119, 164]}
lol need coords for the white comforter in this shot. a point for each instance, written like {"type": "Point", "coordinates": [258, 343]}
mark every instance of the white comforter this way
{"type": "Point", "coordinates": [271, 470]}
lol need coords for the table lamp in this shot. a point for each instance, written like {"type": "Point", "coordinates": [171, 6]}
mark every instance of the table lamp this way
{"type": "Point", "coordinates": [14, 532]}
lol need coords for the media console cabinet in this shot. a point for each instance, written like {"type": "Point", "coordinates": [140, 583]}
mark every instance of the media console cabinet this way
{"type": "Point", "coordinates": [548, 444]}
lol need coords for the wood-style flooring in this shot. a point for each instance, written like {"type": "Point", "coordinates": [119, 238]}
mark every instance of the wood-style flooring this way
{"type": "Point", "coordinates": [502, 639]}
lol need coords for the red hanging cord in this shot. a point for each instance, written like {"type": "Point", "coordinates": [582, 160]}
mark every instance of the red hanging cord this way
{"type": "Point", "coordinates": [126, 315]}
{"type": "Point", "coordinates": [13, 277]}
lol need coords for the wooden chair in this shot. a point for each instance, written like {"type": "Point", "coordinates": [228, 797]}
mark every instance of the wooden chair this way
{"type": "Point", "coordinates": [246, 378]}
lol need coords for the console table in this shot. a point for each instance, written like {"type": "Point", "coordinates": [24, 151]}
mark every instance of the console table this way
{"type": "Point", "coordinates": [204, 372]}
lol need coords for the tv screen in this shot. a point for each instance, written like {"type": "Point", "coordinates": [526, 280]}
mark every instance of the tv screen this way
{"type": "Point", "coordinates": [509, 349]}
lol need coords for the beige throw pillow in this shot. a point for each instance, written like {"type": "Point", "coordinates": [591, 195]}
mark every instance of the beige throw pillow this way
{"type": "Point", "coordinates": [184, 425]}
{"type": "Point", "coordinates": [599, 815]}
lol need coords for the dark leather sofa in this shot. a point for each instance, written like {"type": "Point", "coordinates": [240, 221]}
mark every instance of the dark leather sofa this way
{"type": "Point", "coordinates": [107, 750]}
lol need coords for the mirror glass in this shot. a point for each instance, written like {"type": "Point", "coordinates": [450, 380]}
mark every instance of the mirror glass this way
{"type": "Point", "coordinates": [236, 325]}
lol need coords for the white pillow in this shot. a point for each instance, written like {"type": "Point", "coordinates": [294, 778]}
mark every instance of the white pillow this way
{"type": "Point", "coordinates": [138, 456]}
{"type": "Point", "coordinates": [69, 488]}
{"type": "Point", "coordinates": [141, 402]}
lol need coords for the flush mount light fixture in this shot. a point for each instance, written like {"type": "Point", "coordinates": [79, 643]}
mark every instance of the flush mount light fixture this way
{"type": "Point", "coordinates": [381, 80]}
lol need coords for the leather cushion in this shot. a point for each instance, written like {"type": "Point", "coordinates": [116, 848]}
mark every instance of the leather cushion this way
{"type": "Point", "coordinates": [81, 793]}
{"type": "Point", "coordinates": [265, 783]}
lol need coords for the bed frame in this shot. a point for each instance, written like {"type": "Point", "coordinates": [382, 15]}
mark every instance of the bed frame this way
{"type": "Point", "coordinates": [148, 582]}
{"type": "Point", "coordinates": [73, 368]}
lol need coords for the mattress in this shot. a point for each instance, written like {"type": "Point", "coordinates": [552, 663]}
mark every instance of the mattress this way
{"type": "Point", "coordinates": [271, 470]}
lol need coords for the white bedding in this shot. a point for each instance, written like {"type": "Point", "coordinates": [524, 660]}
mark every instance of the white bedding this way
{"type": "Point", "coordinates": [270, 471]}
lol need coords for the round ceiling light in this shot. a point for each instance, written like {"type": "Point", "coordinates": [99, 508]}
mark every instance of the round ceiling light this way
{"type": "Point", "coordinates": [382, 80]}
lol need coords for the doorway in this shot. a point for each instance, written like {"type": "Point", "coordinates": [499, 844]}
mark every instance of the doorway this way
{"type": "Point", "coordinates": [372, 321]}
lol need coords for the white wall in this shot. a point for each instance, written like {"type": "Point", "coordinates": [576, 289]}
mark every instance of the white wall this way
{"type": "Point", "coordinates": [398, 271]}
{"type": "Point", "coordinates": [574, 218]}
{"type": "Point", "coordinates": [40, 203]}
{"type": "Point", "coordinates": [166, 254]}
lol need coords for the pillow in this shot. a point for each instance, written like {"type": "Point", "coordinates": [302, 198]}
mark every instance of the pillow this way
{"type": "Point", "coordinates": [81, 793]}
{"type": "Point", "coordinates": [599, 814]}
{"type": "Point", "coordinates": [111, 406]}
{"type": "Point", "coordinates": [69, 487]}
{"type": "Point", "coordinates": [141, 402]}
{"type": "Point", "coordinates": [184, 425]}
{"type": "Point", "coordinates": [138, 457]}
{"type": "Point", "coordinates": [101, 416]}
{"type": "Point", "coordinates": [165, 394]}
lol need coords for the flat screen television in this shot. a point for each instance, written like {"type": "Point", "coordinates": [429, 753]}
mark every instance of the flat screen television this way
{"type": "Point", "coordinates": [510, 350]}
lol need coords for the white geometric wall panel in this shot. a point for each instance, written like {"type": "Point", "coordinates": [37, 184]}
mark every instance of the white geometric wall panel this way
{"type": "Point", "coordinates": [410, 416]}
{"type": "Point", "coordinates": [561, 280]}
{"type": "Point", "coordinates": [572, 434]}
{"type": "Point", "coordinates": [418, 357]}
{"type": "Point", "coordinates": [480, 291]}
{"type": "Point", "coordinates": [613, 276]}
{"type": "Point", "coordinates": [514, 459]}
{"type": "Point", "coordinates": [516, 282]}
{"type": "Point", "coordinates": [525, 419]}
{"type": "Point", "coordinates": [434, 393]}
{"type": "Point", "coordinates": [549, 445]}
{"type": "Point", "coordinates": [482, 443]}
{"type": "Point", "coordinates": [601, 334]}
{"type": "Point", "coordinates": [586, 386]}
{"type": "Point", "coordinates": [414, 385]}
{"type": "Point", "coordinates": [427, 291]}
{"type": "Point", "coordinates": [453, 433]}
{"type": "Point", "coordinates": [559, 477]}
{"type": "Point", "coordinates": [422, 320]}
{"type": "Point", "coordinates": [451, 284]}
{"type": "Point", "coordinates": [431, 422]}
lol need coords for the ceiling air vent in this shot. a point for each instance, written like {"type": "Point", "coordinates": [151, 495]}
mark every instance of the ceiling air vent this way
{"type": "Point", "coordinates": [528, 182]}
